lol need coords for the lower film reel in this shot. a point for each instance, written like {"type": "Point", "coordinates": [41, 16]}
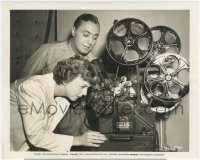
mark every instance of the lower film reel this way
{"type": "Point", "coordinates": [129, 42]}
{"type": "Point", "coordinates": [157, 106]}
{"type": "Point", "coordinates": [165, 40]}
{"type": "Point", "coordinates": [166, 77]}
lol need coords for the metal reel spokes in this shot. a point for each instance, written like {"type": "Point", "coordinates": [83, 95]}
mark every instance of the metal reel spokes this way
{"type": "Point", "coordinates": [157, 106]}
{"type": "Point", "coordinates": [167, 77]}
{"type": "Point", "coordinates": [129, 41]}
{"type": "Point", "coordinates": [165, 40]}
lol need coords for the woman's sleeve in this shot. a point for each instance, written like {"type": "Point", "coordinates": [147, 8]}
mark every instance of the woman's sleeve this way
{"type": "Point", "coordinates": [31, 102]}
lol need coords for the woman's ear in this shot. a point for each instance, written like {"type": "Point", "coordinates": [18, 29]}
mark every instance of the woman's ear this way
{"type": "Point", "coordinates": [73, 31]}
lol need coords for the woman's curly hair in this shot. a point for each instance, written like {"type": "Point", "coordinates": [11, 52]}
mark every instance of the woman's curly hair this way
{"type": "Point", "coordinates": [67, 70]}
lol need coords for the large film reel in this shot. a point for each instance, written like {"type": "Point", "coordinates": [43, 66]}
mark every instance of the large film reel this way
{"type": "Point", "coordinates": [165, 40]}
{"type": "Point", "coordinates": [129, 41]}
{"type": "Point", "coordinates": [157, 106]}
{"type": "Point", "coordinates": [167, 77]}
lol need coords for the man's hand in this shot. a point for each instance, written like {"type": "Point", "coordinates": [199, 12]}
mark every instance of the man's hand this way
{"type": "Point", "coordinates": [90, 139]}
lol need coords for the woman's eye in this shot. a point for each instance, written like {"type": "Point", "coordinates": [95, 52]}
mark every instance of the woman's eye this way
{"type": "Point", "coordinates": [82, 87]}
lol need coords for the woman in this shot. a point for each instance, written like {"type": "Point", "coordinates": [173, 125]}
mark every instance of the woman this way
{"type": "Point", "coordinates": [81, 41]}
{"type": "Point", "coordinates": [35, 111]}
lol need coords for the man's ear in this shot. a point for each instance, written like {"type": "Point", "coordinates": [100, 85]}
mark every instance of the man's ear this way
{"type": "Point", "coordinates": [73, 31]}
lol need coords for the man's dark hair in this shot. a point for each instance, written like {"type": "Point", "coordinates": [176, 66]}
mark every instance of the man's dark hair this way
{"type": "Point", "coordinates": [85, 17]}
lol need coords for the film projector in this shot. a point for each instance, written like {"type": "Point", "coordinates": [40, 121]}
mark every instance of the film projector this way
{"type": "Point", "coordinates": [143, 77]}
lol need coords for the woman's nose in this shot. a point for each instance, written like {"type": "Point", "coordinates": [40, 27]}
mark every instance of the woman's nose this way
{"type": "Point", "coordinates": [84, 92]}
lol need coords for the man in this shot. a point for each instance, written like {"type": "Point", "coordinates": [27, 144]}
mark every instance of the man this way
{"type": "Point", "coordinates": [83, 38]}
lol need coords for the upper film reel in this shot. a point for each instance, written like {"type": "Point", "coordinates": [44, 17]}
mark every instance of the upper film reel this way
{"type": "Point", "coordinates": [167, 77]}
{"type": "Point", "coordinates": [165, 40]}
{"type": "Point", "coordinates": [129, 41]}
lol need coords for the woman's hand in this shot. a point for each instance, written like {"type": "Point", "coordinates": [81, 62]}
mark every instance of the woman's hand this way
{"type": "Point", "coordinates": [90, 139]}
